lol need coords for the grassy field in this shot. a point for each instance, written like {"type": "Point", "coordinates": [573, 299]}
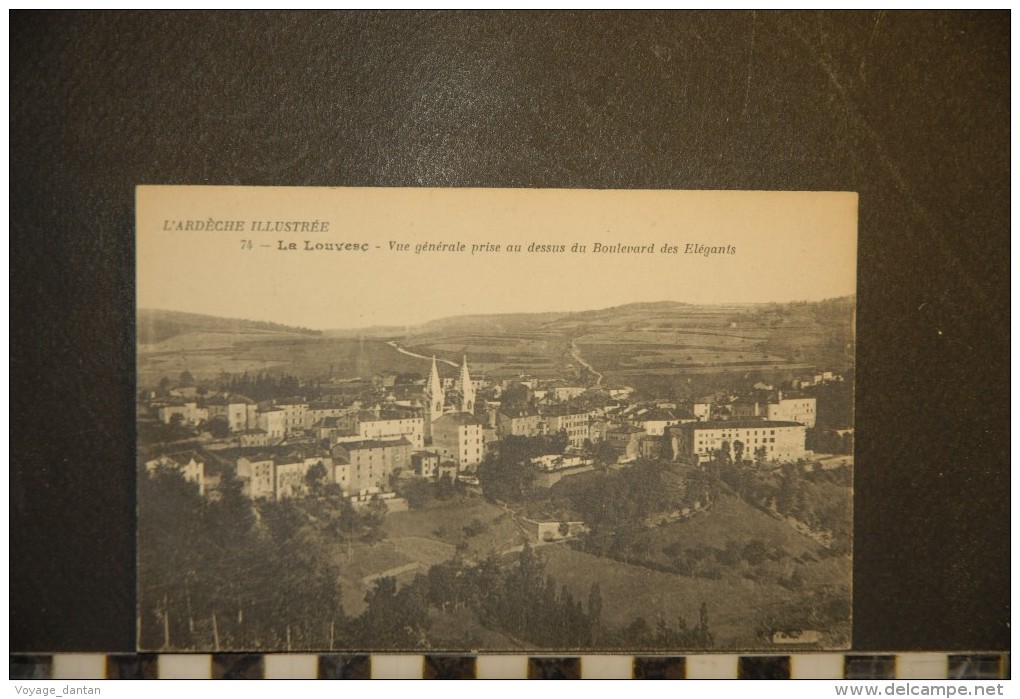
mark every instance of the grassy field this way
{"type": "Point", "coordinates": [508, 353]}
{"type": "Point", "coordinates": [735, 606]}
{"type": "Point", "coordinates": [444, 522]}
{"type": "Point", "coordinates": [416, 540]}
{"type": "Point", "coordinates": [739, 598]}
{"type": "Point", "coordinates": [731, 519]}
{"type": "Point", "coordinates": [207, 355]}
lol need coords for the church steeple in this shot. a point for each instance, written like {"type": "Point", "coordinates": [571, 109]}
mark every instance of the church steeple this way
{"type": "Point", "coordinates": [434, 399]}
{"type": "Point", "coordinates": [434, 394]}
{"type": "Point", "coordinates": [467, 389]}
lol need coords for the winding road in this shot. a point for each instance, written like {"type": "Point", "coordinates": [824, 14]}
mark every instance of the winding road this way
{"type": "Point", "coordinates": [576, 354]}
{"type": "Point", "coordinates": [400, 349]}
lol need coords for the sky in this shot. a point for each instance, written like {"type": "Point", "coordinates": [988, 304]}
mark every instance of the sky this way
{"type": "Point", "coordinates": [786, 246]}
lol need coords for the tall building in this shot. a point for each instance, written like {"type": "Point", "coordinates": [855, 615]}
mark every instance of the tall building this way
{"type": "Point", "coordinates": [434, 399]}
{"type": "Point", "coordinates": [367, 464]}
{"type": "Point", "coordinates": [458, 437]}
{"type": "Point", "coordinates": [467, 389]}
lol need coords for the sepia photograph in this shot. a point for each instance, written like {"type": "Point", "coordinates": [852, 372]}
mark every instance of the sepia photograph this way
{"type": "Point", "coordinates": [494, 420]}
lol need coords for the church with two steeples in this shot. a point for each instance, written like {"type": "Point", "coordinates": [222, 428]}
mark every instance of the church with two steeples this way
{"type": "Point", "coordinates": [455, 434]}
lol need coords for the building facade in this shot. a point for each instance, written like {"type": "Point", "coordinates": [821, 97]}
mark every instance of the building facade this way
{"type": "Point", "coordinates": [574, 423]}
{"type": "Point", "coordinates": [741, 439]}
{"type": "Point", "coordinates": [367, 464]}
{"type": "Point", "coordinates": [457, 437]}
{"type": "Point", "coordinates": [802, 409]}
{"type": "Point", "coordinates": [387, 425]}
{"type": "Point", "coordinates": [522, 423]}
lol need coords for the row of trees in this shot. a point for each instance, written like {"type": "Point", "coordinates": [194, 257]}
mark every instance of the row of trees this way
{"type": "Point", "coordinates": [517, 600]}
{"type": "Point", "coordinates": [829, 441]}
{"type": "Point", "coordinates": [261, 386]}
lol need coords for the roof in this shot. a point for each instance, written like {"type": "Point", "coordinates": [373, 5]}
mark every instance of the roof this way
{"type": "Point", "coordinates": [630, 429]}
{"type": "Point", "coordinates": [327, 405]}
{"type": "Point", "coordinates": [739, 424]}
{"type": "Point", "coordinates": [370, 416]}
{"type": "Point", "coordinates": [230, 399]}
{"type": "Point", "coordinates": [563, 410]}
{"type": "Point", "coordinates": [657, 415]}
{"type": "Point", "coordinates": [180, 458]}
{"type": "Point", "coordinates": [266, 453]}
{"type": "Point", "coordinates": [372, 444]}
{"type": "Point", "coordinates": [461, 419]}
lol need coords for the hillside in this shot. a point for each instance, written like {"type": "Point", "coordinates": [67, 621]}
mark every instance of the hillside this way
{"type": "Point", "coordinates": [154, 325]}
{"type": "Point", "coordinates": [660, 348]}
{"type": "Point", "coordinates": [649, 341]}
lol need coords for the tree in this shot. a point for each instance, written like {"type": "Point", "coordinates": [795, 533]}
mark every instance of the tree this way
{"type": "Point", "coordinates": [347, 523]}
{"type": "Point", "coordinates": [724, 452]}
{"type": "Point", "coordinates": [595, 610]}
{"type": "Point", "coordinates": [417, 493]}
{"type": "Point", "coordinates": [515, 396]}
{"type": "Point", "coordinates": [475, 527]}
{"type": "Point", "coordinates": [604, 453]}
{"type": "Point", "coordinates": [444, 487]}
{"type": "Point", "coordinates": [375, 512]}
{"type": "Point", "coordinates": [703, 635]}
{"type": "Point", "coordinates": [218, 427]}
{"type": "Point", "coordinates": [315, 477]}
{"type": "Point", "coordinates": [164, 386]}
{"type": "Point", "coordinates": [186, 378]}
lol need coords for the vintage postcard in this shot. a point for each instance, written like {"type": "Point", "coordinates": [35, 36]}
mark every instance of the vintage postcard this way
{"type": "Point", "coordinates": [494, 420]}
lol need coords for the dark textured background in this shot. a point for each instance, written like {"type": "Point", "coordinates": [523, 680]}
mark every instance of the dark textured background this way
{"type": "Point", "coordinates": [911, 110]}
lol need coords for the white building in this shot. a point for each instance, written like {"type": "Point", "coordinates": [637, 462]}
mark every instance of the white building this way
{"type": "Point", "coordinates": [782, 441]}
{"type": "Point", "coordinates": [384, 425]}
{"type": "Point", "coordinates": [239, 411]}
{"type": "Point", "coordinates": [802, 409]}
{"type": "Point", "coordinates": [272, 420]}
{"type": "Point", "coordinates": [573, 421]}
{"type": "Point", "coordinates": [457, 437]}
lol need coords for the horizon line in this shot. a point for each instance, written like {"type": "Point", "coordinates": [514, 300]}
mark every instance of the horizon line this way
{"type": "Point", "coordinates": [483, 314]}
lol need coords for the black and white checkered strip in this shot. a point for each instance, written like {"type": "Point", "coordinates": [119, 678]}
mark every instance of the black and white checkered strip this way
{"type": "Point", "coordinates": [977, 666]}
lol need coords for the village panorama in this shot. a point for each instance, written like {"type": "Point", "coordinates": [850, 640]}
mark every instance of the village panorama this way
{"type": "Point", "coordinates": [650, 477]}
